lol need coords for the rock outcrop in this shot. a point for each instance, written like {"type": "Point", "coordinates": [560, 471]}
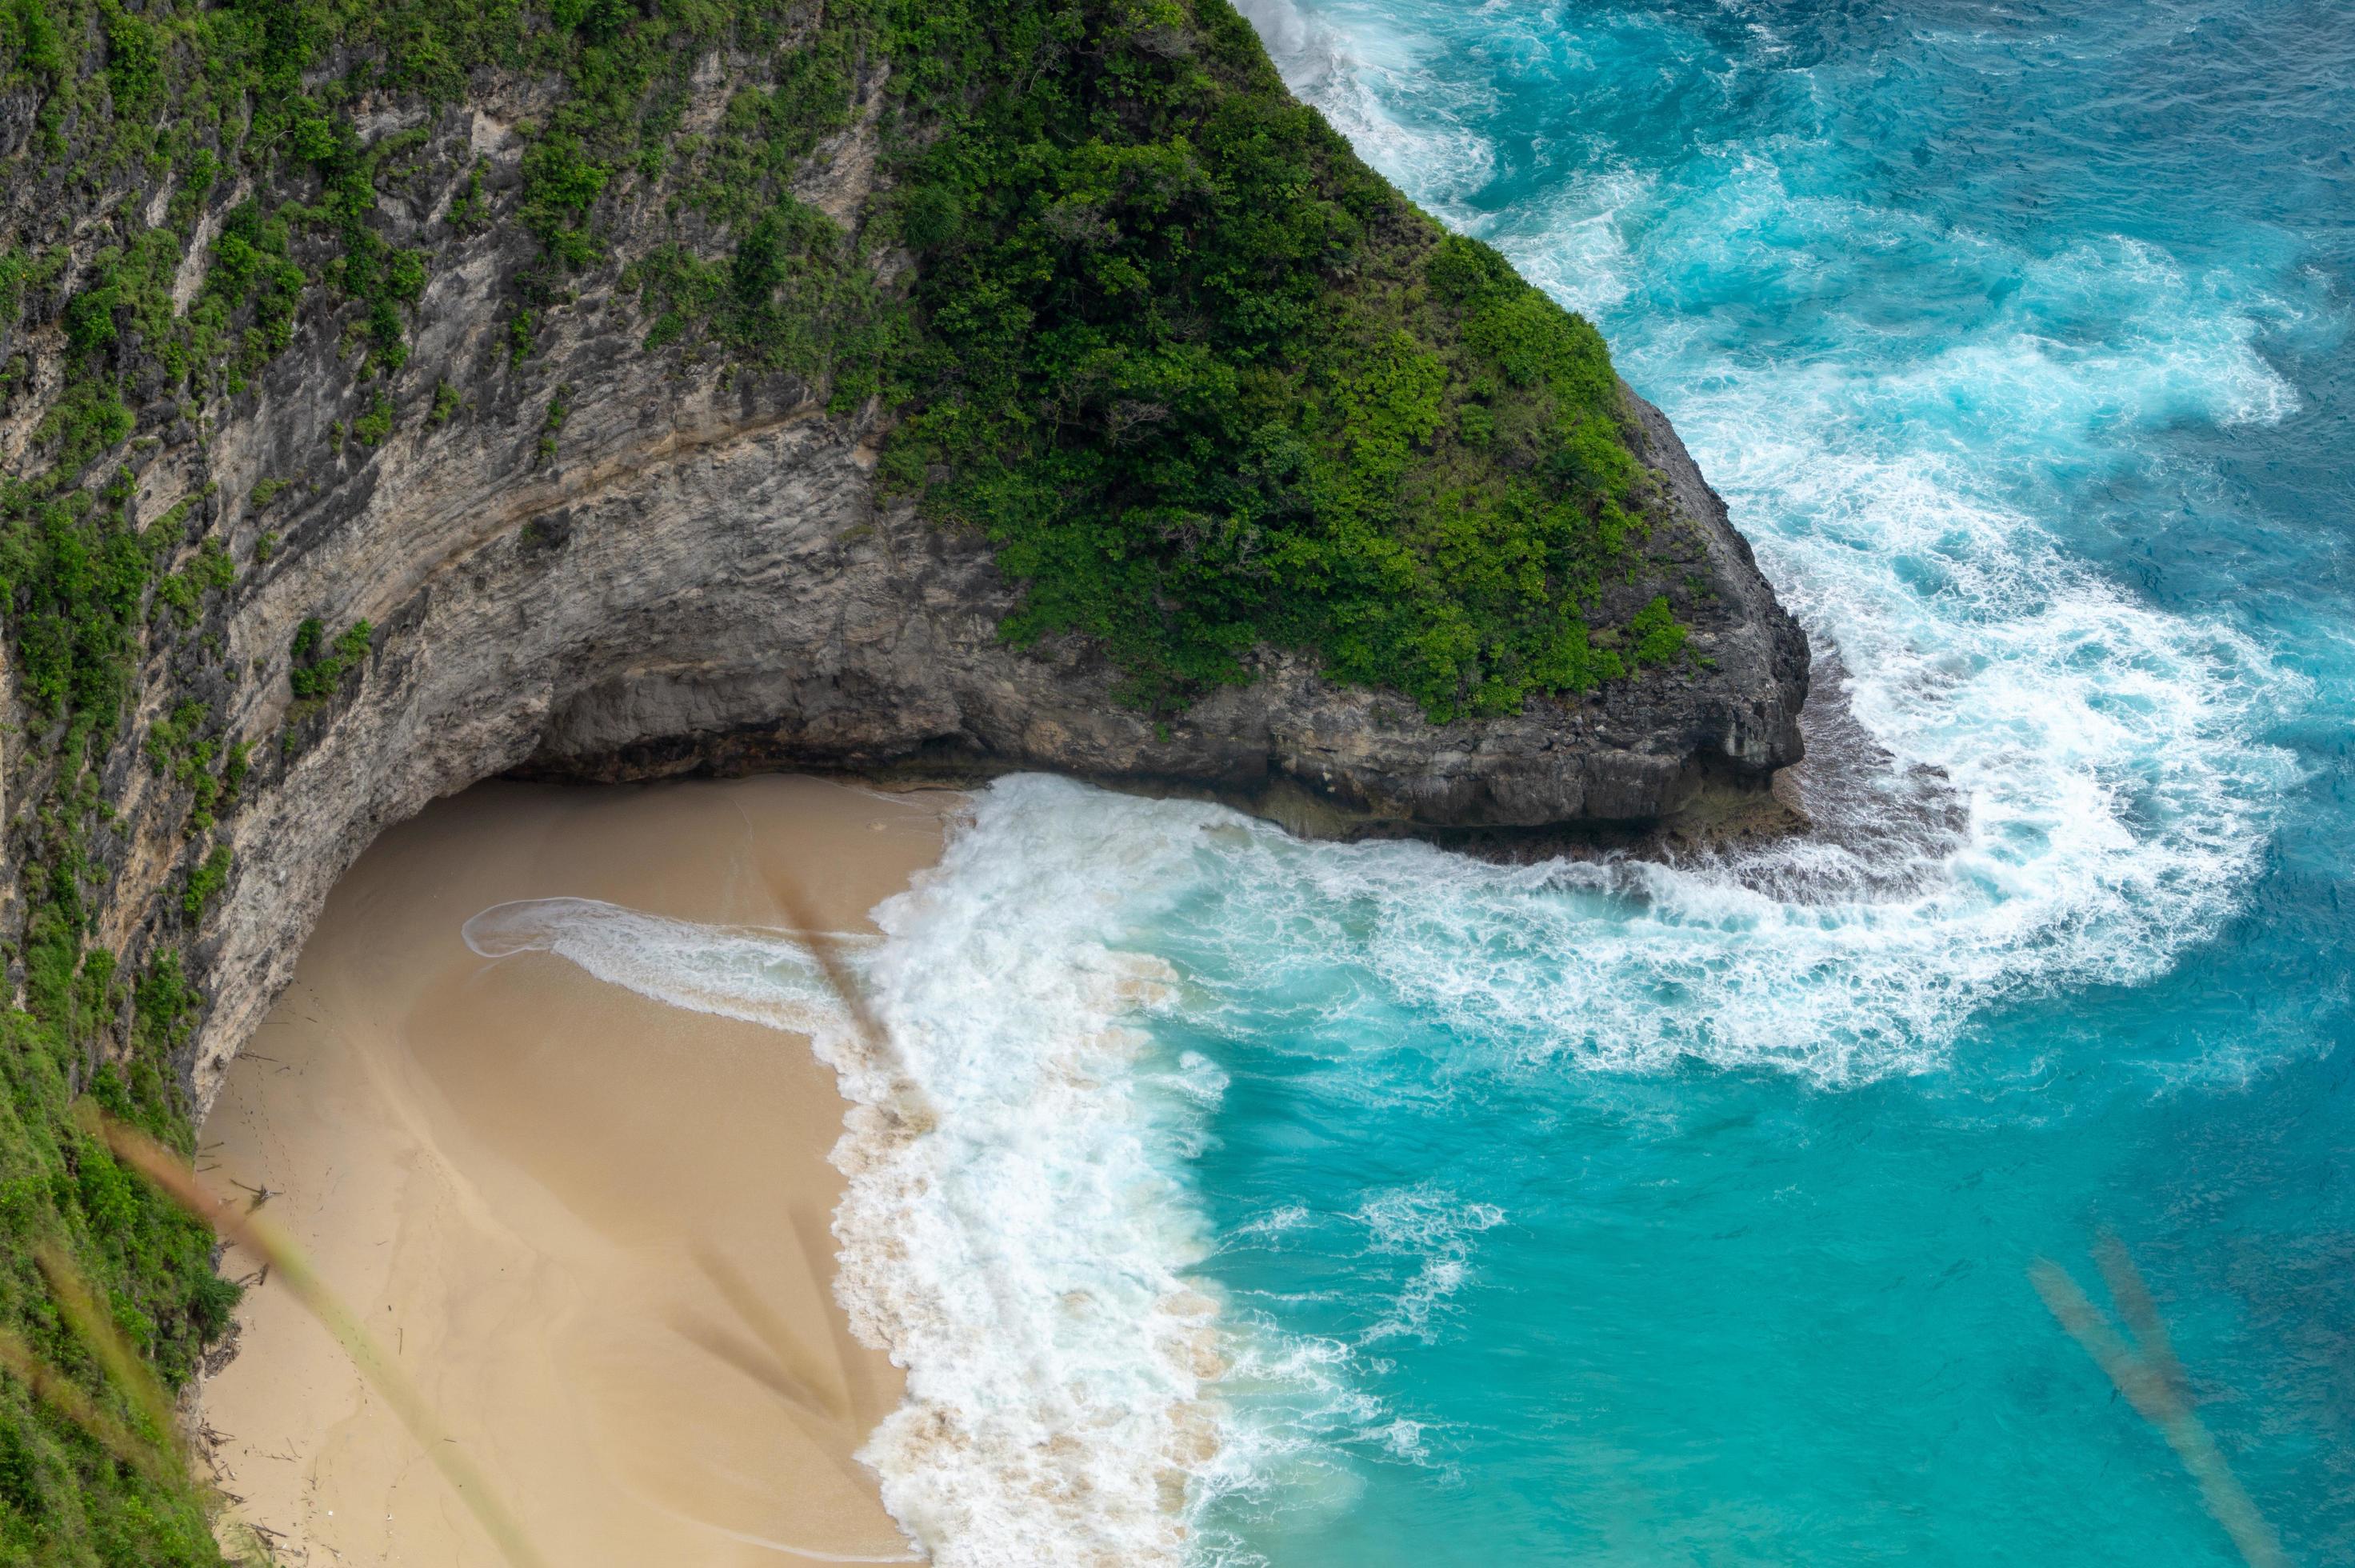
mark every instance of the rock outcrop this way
{"type": "Point", "coordinates": [684, 569]}
{"type": "Point", "coordinates": [396, 401]}
{"type": "Point", "coordinates": [712, 585]}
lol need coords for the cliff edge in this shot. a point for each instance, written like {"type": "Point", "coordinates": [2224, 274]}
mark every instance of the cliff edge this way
{"type": "Point", "coordinates": [399, 395]}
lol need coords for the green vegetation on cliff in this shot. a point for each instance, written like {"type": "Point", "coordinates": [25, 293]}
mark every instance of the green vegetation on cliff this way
{"type": "Point", "coordinates": [81, 580]}
{"type": "Point", "coordinates": [1208, 383]}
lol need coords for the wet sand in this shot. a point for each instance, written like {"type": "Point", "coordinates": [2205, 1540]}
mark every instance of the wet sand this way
{"type": "Point", "coordinates": [592, 1228]}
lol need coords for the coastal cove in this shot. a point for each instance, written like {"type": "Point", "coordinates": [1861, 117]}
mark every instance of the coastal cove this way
{"type": "Point", "coordinates": [960, 782]}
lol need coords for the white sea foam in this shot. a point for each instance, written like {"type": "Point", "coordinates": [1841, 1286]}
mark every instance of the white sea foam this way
{"type": "Point", "coordinates": [1025, 1257]}
{"type": "Point", "coordinates": [757, 975]}
{"type": "Point", "coordinates": [1360, 79]}
{"type": "Point", "coordinates": [1437, 1228]}
{"type": "Point", "coordinates": [1012, 1232]}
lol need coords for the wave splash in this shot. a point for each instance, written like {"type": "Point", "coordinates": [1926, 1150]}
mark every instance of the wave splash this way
{"type": "Point", "coordinates": [1020, 1241]}
{"type": "Point", "coordinates": [1027, 1258]}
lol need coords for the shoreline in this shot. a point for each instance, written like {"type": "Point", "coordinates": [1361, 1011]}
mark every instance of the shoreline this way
{"type": "Point", "coordinates": [592, 1227]}
{"type": "Point", "coordinates": [1720, 813]}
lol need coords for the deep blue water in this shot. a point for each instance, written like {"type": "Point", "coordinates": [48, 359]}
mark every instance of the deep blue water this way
{"type": "Point", "coordinates": [1628, 1215]}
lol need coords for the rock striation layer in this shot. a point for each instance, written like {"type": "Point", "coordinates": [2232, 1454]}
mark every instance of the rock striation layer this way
{"type": "Point", "coordinates": [711, 586]}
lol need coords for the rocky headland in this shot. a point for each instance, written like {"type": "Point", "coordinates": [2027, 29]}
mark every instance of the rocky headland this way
{"type": "Point", "coordinates": [340, 480]}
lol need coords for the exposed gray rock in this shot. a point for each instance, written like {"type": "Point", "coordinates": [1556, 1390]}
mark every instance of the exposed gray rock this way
{"type": "Point", "coordinates": [847, 635]}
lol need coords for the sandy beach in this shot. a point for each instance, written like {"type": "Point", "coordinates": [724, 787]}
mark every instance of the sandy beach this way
{"type": "Point", "coordinates": [591, 1227]}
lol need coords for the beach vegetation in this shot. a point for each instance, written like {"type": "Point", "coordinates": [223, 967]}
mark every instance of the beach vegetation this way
{"type": "Point", "coordinates": [66, 1498]}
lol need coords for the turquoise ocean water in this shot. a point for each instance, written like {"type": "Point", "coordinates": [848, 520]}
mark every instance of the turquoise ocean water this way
{"type": "Point", "coordinates": [1653, 1218]}
{"type": "Point", "coordinates": [1319, 1206]}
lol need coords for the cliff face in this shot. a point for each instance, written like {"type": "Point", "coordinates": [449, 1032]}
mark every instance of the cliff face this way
{"type": "Point", "coordinates": [825, 626]}
{"type": "Point", "coordinates": [712, 585]}
{"type": "Point", "coordinates": [456, 520]}
{"type": "Point", "coordinates": [703, 573]}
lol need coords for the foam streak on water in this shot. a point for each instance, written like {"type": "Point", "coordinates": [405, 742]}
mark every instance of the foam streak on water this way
{"type": "Point", "coordinates": [745, 973]}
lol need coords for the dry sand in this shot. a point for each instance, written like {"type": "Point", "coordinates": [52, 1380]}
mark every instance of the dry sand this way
{"type": "Point", "coordinates": [518, 1175]}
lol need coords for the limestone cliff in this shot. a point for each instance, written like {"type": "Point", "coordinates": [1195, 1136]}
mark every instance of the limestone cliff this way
{"type": "Point", "coordinates": [693, 567]}
{"type": "Point", "coordinates": [460, 512]}
{"type": "Point", "coordinates": [710, 584]}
